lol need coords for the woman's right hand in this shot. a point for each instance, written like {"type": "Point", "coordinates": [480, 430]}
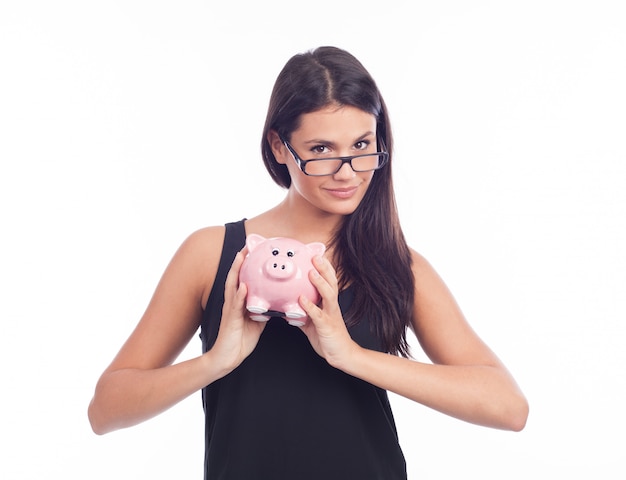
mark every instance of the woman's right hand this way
{"type": "Point", "coordinates": [238, 334]}
{"type": "Point", "coordinates": [142, 380]}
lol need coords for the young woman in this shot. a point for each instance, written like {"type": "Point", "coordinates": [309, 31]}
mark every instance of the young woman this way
{"type": "Point", "coordinates": [285, 402]}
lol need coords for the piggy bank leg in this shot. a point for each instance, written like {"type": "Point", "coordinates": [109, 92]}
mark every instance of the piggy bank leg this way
{"type": "Point", "coordinates": [295, 315]}
{"type": "Point", "coordinates": [257, 306]}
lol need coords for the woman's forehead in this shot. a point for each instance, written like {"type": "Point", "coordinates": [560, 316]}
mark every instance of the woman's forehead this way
{"type": "Point", "coordinates": [335, 122]}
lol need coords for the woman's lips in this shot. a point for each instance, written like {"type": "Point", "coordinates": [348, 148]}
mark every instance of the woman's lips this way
{"type": "Point", "coordinates": [343, 192]}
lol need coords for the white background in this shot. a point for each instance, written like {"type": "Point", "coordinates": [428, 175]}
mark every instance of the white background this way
{"type": "Point", "coordinates": [126, 125]}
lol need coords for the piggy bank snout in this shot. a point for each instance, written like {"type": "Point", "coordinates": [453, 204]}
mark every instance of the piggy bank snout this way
{"type": "Point", "coordinates": [279, 268]}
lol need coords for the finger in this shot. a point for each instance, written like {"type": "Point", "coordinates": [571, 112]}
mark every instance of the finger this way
{"type": "Point", "coordinates": [312, 310]}
{"type": "Point", "coordinates": [232, 288]}
{"type": "Point", "coordinates": [325, 269]}
{"type": "Point", "coordinates": [327, 290]}
{"type": "Point", "coordinates": [233, 273]}
{"type": "Point", "coordinates": [242, 291]}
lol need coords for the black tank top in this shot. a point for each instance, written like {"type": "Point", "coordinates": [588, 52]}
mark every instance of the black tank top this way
{"type": "Point", "coordinates": [284, 413]}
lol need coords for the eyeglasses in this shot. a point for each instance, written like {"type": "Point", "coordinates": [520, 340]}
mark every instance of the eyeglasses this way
{"type": "Point", "coordinates": [318, 167]}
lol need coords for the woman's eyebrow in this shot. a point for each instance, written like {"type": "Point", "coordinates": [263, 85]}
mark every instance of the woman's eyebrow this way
{"type": "Point", "coordinates": [320, 141]}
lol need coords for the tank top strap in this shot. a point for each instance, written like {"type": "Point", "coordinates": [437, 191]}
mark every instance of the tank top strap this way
{"type": "Point", "coordinates": [234, 241]}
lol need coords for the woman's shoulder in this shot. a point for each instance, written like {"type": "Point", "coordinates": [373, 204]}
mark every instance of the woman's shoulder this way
{"type": "Point", "coordinates": [207, 242]}
{"type": "Point", "coordinates": [198, 257]}
{"type": "Point", "coordinates": [419, 262]}
{"type": "Point", "coordinates": [202, 244]}
{"type": "Point", "coordinates": [424, 273]}
{"type": "Point", "coordinates": [205, 237]}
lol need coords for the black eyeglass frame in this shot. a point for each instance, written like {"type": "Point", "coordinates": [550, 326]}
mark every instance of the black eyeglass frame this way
{"type": "Point", "coordinates": [384, 156]}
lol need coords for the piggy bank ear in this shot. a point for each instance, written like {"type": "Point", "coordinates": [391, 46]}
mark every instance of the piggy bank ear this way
{"type": "Point", "coordinates": [253, 240]}
{"type": "Point", "coordinates": [316, 248]}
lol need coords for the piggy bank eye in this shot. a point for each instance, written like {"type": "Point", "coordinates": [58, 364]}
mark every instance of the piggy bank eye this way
{"type": "Point", "coordinates": [290, 253]}
{"type": "Point", "coordinates": [275, 251]}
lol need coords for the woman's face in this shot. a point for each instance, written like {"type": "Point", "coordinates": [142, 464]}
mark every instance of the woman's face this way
{"type": "Point", "coordinates": [333, 131]}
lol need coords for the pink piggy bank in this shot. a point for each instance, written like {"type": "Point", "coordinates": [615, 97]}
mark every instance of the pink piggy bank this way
{"type": "Point", "coordinates": [276, 273]}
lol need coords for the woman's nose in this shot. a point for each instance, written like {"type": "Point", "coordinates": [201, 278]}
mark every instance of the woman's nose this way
{"type": "Point", "coordinates": [345, 172]}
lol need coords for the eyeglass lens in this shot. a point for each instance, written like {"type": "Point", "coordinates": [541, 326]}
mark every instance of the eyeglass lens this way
{"type": "Point", "coordinates": [361, 163]}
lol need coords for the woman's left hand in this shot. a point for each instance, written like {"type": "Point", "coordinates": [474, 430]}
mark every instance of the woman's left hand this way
{"type": "Point", "coordinates": [326, 329]}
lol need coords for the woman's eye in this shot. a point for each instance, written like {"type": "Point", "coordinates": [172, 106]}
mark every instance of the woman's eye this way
{"type": "Point", "coordinates": [362, 145]}
{"type": "Point", "coordinates": [319, 149]}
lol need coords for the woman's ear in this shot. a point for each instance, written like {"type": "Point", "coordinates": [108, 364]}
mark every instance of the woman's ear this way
{"type": "Point", "coordinates": [278, 147]}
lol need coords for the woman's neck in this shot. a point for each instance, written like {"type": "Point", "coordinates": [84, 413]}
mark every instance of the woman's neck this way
{"type": "Point", "coordinates": [298, 220]}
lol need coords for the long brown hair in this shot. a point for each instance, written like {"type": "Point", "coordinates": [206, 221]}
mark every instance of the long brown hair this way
{"type": "Point", "coordinates": [369, 247]}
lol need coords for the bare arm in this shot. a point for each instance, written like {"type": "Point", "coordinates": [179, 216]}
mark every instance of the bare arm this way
{"type": "Point", "coordinates": [142, 380]}
{"type": "Point", "coordinates": [466, 379]}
